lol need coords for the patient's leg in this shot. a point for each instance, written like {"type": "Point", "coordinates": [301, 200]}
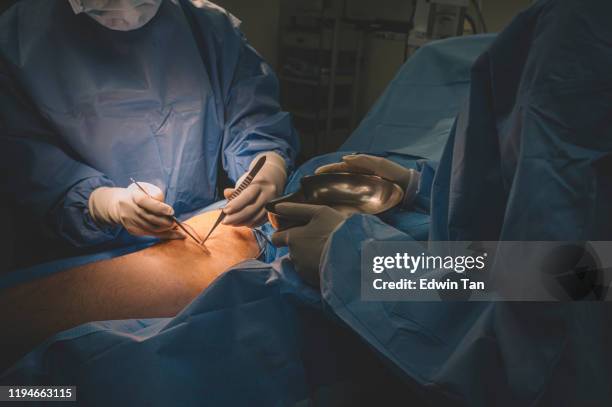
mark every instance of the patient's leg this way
{"type": "Point", "coordinates": [155, 282]}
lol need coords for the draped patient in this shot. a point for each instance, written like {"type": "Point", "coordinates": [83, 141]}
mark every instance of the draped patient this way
{"type": "Point", "coordinates": [155, 282]}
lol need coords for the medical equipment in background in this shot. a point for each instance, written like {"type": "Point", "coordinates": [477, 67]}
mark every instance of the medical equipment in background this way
{"type": "Point", "coordinates": [243, 185]}
{"type": "Point", "coordinates": [319, 71]}
{"type": "Point", "coordinates": [388, 15]}
{"type": "Point", "coordinates": [421, 21]}
{"type": "Point", "coordinates": [436, 19]}
{"type": "Point", "coordinates": [322, 47]}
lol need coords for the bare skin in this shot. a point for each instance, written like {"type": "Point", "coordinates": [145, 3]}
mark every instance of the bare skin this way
{"type": "Point", "coordinates": [155, 282]}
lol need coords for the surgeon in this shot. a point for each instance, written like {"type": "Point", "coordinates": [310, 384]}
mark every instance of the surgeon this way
{"type": "Point", "coordinates": [94, 93]}
{"type": "Point", "coordinates": [529, 158]}
{"type": "Point", "coordinates": [306, 243]}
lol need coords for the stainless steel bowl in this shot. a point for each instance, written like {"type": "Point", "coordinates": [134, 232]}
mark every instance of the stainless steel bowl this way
{"type": "Point", "coordinates": [345, 192]}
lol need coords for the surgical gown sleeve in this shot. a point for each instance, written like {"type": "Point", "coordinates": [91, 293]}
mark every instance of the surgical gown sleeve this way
{"type": "Point", "coordinates": [41, 176]}
{"type": "Point", "coordinates": [254, 120]}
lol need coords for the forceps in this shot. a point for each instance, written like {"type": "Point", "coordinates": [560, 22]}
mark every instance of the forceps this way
{"type": "Point", "coordinates": [178, 223]}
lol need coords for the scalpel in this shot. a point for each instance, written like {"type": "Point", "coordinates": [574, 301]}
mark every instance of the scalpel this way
{"type": "Point", "coordinates": [243, 185]}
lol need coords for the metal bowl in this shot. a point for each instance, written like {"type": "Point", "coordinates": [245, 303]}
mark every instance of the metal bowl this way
{"type": "Point", "coordinates": [345, 192]}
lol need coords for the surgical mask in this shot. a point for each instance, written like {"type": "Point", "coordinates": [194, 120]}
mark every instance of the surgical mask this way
{"type": "Point", "coordinates": [122, 15]}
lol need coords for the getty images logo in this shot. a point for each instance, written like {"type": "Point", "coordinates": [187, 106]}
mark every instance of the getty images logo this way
{"type": "Point", "coordinates": [487, 271]}
{"type": "Point", "coordinates": [423, 262]}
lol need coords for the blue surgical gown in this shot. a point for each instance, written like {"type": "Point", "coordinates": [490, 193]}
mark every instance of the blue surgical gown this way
{"type": "Point", "coordinates": [172, 103]}
{"type": "Point", "coordinates": [528, 158]}
{"type": "Point", "coordinates": [539, 99]}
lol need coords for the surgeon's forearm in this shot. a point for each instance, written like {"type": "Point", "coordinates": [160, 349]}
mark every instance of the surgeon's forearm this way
{"type": "Point", "coordinates": [71, 218]}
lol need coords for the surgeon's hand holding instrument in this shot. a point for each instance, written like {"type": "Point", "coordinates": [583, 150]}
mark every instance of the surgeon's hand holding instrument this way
{"type": "Point", "coordinates": [248, 209]}
{"type": "Point", "coordinates": [243, 185]}
{"type": "Point", "coordinates": [178, 223]}
{"type": "Point", "coordinates": [306, 218]}
{"type": "Point", "coordinates": [141, 214]}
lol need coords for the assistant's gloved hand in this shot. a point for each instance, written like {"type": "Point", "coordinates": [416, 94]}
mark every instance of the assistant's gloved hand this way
{"type": "Point", "coordinates": [139, 214]}
{"type": "Point", "coordinates": [306, 242]}
{"type": "Point", "coordinates": [406, 178]}
{"type": "Point", "coordinates": [248, 208]}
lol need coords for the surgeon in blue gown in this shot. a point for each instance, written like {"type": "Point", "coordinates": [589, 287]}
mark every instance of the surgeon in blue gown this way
{"type": "Point", "coordinates": [169, 93]}
{"type": "Point", "coordinates": [529, 158]}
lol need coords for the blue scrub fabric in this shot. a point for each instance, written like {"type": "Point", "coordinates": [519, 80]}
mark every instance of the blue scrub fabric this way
{"type": "Point", "coordinates": [258, 336]}
{"type": "Point", "coordinates": [220, 351]}
{"type": "Point", "coordinates": [527, 159]}
{"type": "Point", "coordinates": [416, 112]}
{"type": "Point", "coordinates": [172, 103]}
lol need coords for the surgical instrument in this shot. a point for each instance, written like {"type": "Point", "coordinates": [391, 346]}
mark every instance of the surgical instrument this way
{"type": "Point", "coordinates": [243, 185]}
{"type": "Point", "coordinates": [178, 223]}
{"type": "Point", "coordinates": [346, 192]}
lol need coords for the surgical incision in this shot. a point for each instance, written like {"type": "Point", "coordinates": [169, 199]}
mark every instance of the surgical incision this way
{"type": "Point", "coordinates": [155, 282]}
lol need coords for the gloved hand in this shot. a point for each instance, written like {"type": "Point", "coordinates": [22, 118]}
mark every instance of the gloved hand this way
{"type": "Point", "coordinates": [406, 178]}
{"type": "Point", "coordinates": [248, 208]}
{"type": "Point", "coordinates": [139, 214]}
{"type": "Point", "coordinates": [306, 242]}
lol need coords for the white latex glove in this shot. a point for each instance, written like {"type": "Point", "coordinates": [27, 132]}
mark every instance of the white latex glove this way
{"type": "Point", "coordinates": [139, 214]}
{"type": "Point", "coordinates": [306, 243]}
{"type": "Point", "coordinates": [248, 208]}
{"type": "Point", "coordinates": [406, 178]}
